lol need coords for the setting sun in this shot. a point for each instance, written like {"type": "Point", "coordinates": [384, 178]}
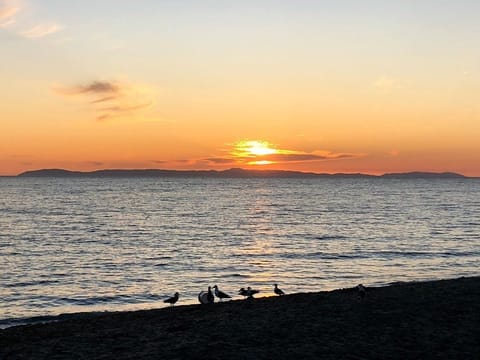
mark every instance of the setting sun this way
{"type": "Point", "coordinates": [260, 148]}
{"type": "Point", "coordinates": [254, 148]}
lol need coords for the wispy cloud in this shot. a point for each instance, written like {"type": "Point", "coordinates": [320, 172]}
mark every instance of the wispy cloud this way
{"type": "Point", "coordinates": [100, 87]}
{"type": "Point", "coordinates": [95, 87]}
{"type": "Point", "coordinates": [103, 99]}
{"type": "Point", "coordinates": [95, 163]}
{"type": "Point", "coordinates": [384, 82]}
{"type": "Point", "coordinates": [220, 160]}
{"type": "Point", "coordinates": [11, 17]}
{"type": "Point", "coordinates": [248, 152]}
{"type": "Point", "coordinates": [122, 108]}
{"type": "Point", "coordinates": [302, 157]}
{"type": "Point", "coordinates": [262, 152]}
{"type": "Point", "coordinates": [387, 84]}
{"type": "Point", "coordinates": [40, 31]}
{"type": "Point", "coordinates": [8, 10]}
{"type": "Point", "coordinates": [109, 99]}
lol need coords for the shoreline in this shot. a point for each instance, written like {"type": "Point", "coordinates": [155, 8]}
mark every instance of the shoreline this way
{"type": "Point", "coordinates": [159, 305]}
{"type": "Point", "coordinates": [427, 319]}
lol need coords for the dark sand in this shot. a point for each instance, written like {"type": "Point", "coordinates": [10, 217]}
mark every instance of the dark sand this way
{"type": "Point", "coordinates": [439, 319]}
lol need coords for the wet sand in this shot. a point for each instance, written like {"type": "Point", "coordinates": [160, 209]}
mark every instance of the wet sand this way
{"type": "Point", "coordinates": [427, 320]}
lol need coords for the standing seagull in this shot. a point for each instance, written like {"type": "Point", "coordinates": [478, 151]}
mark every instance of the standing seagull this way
{"type": "Point", "coordinates": [172, 300]}
{"type": "Point", "coordinates": [278, 291]}
{"type": "Point", "coordinates": [220, 294]}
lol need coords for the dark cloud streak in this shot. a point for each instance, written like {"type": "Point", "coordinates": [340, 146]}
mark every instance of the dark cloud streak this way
{"type": "Point", "coordinates": [304, 157]}
{"type": "Point", "coordinates": [109, 99]}
{"type": "Point", "coordinates": [103, 99]}
{"type": "Point", "coordinates": [124, 108]}
{"type": "Point", "coordinates": [220, 160]}
{"type": "Point", "coordinates": [99, 87]}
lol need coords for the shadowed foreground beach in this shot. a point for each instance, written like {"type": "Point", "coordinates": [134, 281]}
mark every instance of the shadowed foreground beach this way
{"type": "Point", "coordinates": [438, 319]}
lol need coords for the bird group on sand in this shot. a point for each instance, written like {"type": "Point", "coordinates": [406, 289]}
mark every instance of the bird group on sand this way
{"type": "Point", "coordinates": [208, 297]}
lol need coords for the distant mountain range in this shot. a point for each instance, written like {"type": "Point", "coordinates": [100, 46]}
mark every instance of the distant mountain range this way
{"type": "Point", "coordinates": [230, 173]}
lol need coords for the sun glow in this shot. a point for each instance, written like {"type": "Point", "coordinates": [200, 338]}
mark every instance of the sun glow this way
{"type": "Point", "coordinates": [260, 148]}
{"type": "Point", "coordinates": [261, 162]}
{"type": "Point", "coordinates": [254, 152]}
{"type": "Point", "coordinates": [253, 148]}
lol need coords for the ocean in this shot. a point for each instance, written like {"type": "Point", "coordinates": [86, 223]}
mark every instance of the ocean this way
{"type": "Point", "coordinates": [112, 244]}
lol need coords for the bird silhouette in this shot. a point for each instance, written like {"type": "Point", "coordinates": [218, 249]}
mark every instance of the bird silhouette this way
{"type": "Point", "coordinates": [243, 292]}
{"type": "Point", "coordinates": [220, 294]}
{"type": "Point", "coordinates": [248, 293]}
{"type": "Point", "coordinates": [172, 300]}
{"type": "Point", "coordinates": [210, 296]}
{"type": "Point", "coordinates": [278, 291]}
{"type": "Point", "coordinates": [206, 297]}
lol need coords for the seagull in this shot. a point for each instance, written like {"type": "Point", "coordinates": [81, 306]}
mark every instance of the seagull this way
{"type": "Point", "coordinates": [220, 294]}
{"type": "Point", "coordinates": [172, 300]}
{"type": "Point", "coordinates": [361, 291]}
{"type": "Point", "coordinates": [248, 293]}
{"type": "Point", "coordinates": [206, 297]}
{"type": "Point", "coordinates": [278, 291]}
{"type": "Point", "coordinates": [243, 292]}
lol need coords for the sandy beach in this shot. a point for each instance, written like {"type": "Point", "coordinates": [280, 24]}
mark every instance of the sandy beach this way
{"type": "Point", "coordinates": [436, 320]}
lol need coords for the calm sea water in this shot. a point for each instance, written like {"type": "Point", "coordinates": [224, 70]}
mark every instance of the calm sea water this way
{"type": "Point", "coordinates": [70, 245]}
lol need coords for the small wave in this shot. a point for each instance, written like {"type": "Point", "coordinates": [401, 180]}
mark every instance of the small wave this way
{"type": "Point", "coordinates": [6, 323]}
{"type": "Point", "coordinates": [404, 253]}
{"type": "Point", "coordinates": [161, 265]}
{"type": "Point", "coordinates": [116, 299]}
{"type": "Point", "coordinates": [274, 205]}
{"type": "Point", "coordinates": [425, 254]}
{"type": "Point", "coordinates": [461, 254]}
{"type": "Point", "coordinates": [237, 276]}
{"type": "Point", "coordinates": [156, 258]}
{"type": "Point", "coordinates": [31, 283]}
{"type": "Point", "coordinates": [322, 255]}
{"type": "Point", "coordinates": [330, 237]}
{"type": "Point", "coordinates": [377, 254]}
{"type": "Point", "coordinates": [9, 322]}
{"type": "Point", "coordinates": [248, 255]}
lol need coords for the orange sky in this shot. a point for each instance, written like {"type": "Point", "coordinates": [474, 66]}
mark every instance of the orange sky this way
{"type": "Point", "coordinates": [389, 86]}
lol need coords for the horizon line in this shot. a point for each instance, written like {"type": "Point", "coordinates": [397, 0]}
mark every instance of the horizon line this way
{"type": "Point", "coordinates": [418, 173]}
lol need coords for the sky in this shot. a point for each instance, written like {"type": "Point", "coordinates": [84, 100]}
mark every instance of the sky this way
{"type": "Point", "coordinates": [372, 86]}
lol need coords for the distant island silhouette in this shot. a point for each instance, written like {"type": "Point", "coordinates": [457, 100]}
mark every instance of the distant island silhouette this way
{"type": "Point", "coordinates": [231, 173]}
